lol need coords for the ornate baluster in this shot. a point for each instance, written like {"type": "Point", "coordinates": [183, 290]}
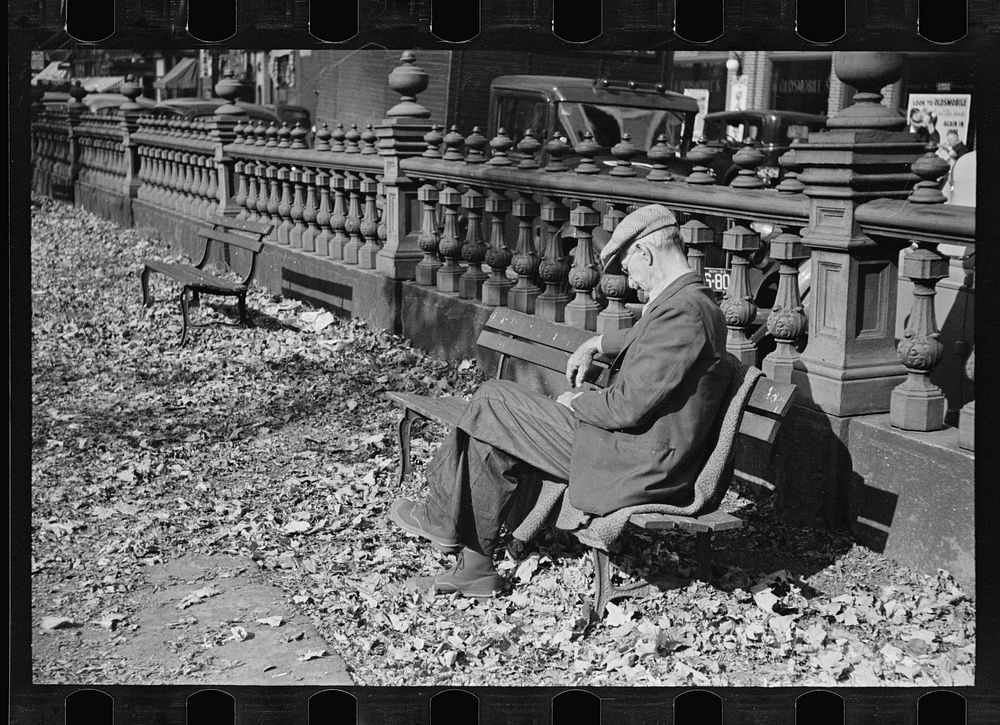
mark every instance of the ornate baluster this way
{"type": "Point", "coordinates": [967, 416]}
{"type": "Point", "coordinates": [917, 403]}
{"type": "Point", "coordinates": [188, 184]}
{"type": "Point", "coordinates": [285, 206]}
{"type": "Point", "coordinates": [450, 245]}
{"type": "Point", "coordinates": [273, 201]}
{"type": "Point", "coordinates": [322, 239]}
{"type": "Point", "coordinates": [737, 304]}
{"type": "Point", "coordinates": [583, 275]}
{"type": "Point", "coordinates": [212, 192]}
{"type": "Point", "coordinates": [551, 303]}
{"type": "Point", "coordinates": [525, 262]}
{"type": "Point", "coordinates": [615, 316]}
{"type": "Point", "coordinates": [369, 224]}
{"type": "Point", "coordinates": [787, 321]}
{"type": "Point", "coordinates": [201, 203]}
{"type": "Point", "coordinates": [250, 201]}
{"type": "Point", "coordinates": [338, 219]}
{"type": "Point", "coordinates": [470, 284]}
{"type": "Point", "coordinates": [696, 235]}
{"type": "Point", "coordinates": [352, 184]}
{"type": "Point", "coordinates": [298, 205]}
{"type": "Point", "coordinates": [427, 268]}
{"type": "Point", "coordinates": [309, 212]}
{"type": "Point", "coordinates": [498, 254]}
{"type": "Point", "coordinates": [259, 211]}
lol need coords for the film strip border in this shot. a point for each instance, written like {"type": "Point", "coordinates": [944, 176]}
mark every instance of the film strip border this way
{"type": "Point", "coordinates": [450, 706]}
{"type": "Point", "coordinates": [591, 23]}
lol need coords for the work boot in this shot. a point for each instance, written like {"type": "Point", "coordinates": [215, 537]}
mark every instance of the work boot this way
{"type": "Point", "coordinates": [412, 518]}
{"type": "Point", "coordinates": [472, 576]}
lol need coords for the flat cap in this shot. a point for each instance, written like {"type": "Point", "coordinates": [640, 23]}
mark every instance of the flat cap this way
{"type": "Point", "coordinates": [640, 223]}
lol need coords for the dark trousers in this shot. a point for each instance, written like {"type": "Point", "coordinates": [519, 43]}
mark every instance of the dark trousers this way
{"type": "Point", "coordinates": [508, 437]}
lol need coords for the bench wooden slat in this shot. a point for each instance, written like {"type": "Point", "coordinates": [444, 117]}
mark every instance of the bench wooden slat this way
{"type": "Point", "coordinates": [714, 521]}
{"type": "Point", "coordinates": [759, 427]}
{"type": "Point", "coordinates": [446, 410]}
{"type": "Point", "coordinates": [236, 240]}
{"type": "Point", "coordinates": [542, 332]}
{"type": "Point", "coordinates": [546, 357]}
{"type": "Point", "coordinates": [243, 225]}
{"type": "Point", "coordinates": [771, 397]}
{"type": "Point", "coordinates": [195, 278]}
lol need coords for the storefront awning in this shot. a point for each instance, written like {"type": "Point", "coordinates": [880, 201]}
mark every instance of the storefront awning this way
{"type": "Point", "coordinates": [102, 84]}
{"type": "Point", "coordinates": [53, 72]}
{"type": "Point", "coordinates": [182, 75]}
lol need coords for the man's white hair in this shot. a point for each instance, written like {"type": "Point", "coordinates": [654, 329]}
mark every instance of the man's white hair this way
{"type": "Point", "coordinates": [667, 239]}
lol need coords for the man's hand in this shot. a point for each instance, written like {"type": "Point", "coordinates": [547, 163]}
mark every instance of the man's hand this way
{"type": "Point", "coordinates": [579, 362]}
{"type": "Point", "coordinates": [567, 398]}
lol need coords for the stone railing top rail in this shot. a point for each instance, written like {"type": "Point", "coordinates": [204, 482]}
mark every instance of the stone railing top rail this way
{"type": "Point", "coordinates": [365, 163]}
{"type": "Point", "coordinates": [177, 143]}
{"type": "Point", "coordinates": [918, 222]}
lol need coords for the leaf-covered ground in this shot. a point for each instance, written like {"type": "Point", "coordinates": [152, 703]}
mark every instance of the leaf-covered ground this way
{"type": "Point", "coordinates": [276, 443]}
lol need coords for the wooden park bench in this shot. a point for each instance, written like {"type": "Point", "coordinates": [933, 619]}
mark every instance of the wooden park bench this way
{"type": "Point", "coordinates": [529, 342]}
{"type": "Point", "coordinates": [196, 279]}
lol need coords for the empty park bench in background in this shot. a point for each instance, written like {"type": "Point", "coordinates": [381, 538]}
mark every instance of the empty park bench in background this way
{"type": "Point", "coordinates": [530, 342]}
{"type": "Point", "coordinates": [194, 278]}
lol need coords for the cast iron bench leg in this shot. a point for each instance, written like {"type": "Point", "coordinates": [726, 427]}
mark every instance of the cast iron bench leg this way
{"type": "Point", "coordinates": [241, 304]}
{"type": "Point", "coordinates": [602, 581]}
{"type": "Point", "coordinates": [184, 314]}
{"type": "Point", "coordinates": [704, 547]}
{"type": "Point", "coordinates": [146, 302]}
{"type": "Point", "coordinates": [405, 422]}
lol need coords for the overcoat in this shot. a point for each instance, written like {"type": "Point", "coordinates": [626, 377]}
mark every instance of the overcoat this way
{"type": "Point", "coordinates": [644, 438]}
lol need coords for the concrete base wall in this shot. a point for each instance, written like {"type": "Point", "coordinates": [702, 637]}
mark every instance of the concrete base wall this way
{"type": "Point", "coordinates": [912, 496]}
{"type": "Point", "coordinates": [909, 495]}
{"type": "Point", "coordinates": [103, 202]}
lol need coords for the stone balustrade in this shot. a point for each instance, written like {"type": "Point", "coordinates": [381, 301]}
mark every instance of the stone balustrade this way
{"type": "Point", "coordinates": [489, 220]}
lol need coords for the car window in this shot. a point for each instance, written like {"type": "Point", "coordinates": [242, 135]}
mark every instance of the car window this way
{"type": "Point", "coordinates": [517, 114]}
{"type": "Point", "coordinates": [643, 125]}
{"type": "Point", "coordinates": [732, 130]}
{"type": "Point", "coordinates": [798, 130]}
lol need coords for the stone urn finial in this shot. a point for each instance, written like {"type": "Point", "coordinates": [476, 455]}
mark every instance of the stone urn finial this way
{"type": "Point", "coordinates": [229, 88]}
{"type": "Point", "coordinates": [131, 90]}
{"type": "Point", "coordinates": [77, 92]}
{"type": "Point", "coordinates": [930, 168]}
{"type": "Point", "coordinates": [408, 79]}
{"type": "Point", "coordinates": [869, 72]}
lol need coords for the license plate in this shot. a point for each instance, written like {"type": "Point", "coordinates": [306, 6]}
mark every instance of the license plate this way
{"type": "Point", "coordinates": [717, 278]}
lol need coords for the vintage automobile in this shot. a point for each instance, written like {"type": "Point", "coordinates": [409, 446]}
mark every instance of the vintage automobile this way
{"type": "Point", "coordinates": [199, 108]}
{"type": "Point", "coordinates": [771, 131]}
{"type": "Point", "coordinates": [572, 107]}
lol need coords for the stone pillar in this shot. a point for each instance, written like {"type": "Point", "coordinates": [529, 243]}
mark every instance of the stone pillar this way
{"type": "Point", "coordinates": [850, 366]}
{"type": "Point", "coordinates": [967, 416]}
{"type": "Point", "coordinates": [130, 112]}
{"type": "Point", "coordinates": [222, 133]}
{"type": "Point", "coordinates": [737, 304]}
{"type": "Point", "coordinates": [401, 134]}
{"type": "Point", "coordinates": [787, 321]}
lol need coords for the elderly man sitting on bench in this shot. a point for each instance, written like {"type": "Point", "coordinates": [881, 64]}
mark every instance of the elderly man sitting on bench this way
{"type": "Point", "coordinates": [642, 439]}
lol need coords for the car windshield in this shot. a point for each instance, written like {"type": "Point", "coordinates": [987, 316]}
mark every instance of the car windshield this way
{"type": "Point", "coordinates": [732, 129]}
{"type": "Point", "coordinates": [608, 123]}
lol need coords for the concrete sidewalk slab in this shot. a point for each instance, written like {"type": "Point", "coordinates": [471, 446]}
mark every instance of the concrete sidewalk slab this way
{"type": "Point", "coordinates": [218, 631]}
